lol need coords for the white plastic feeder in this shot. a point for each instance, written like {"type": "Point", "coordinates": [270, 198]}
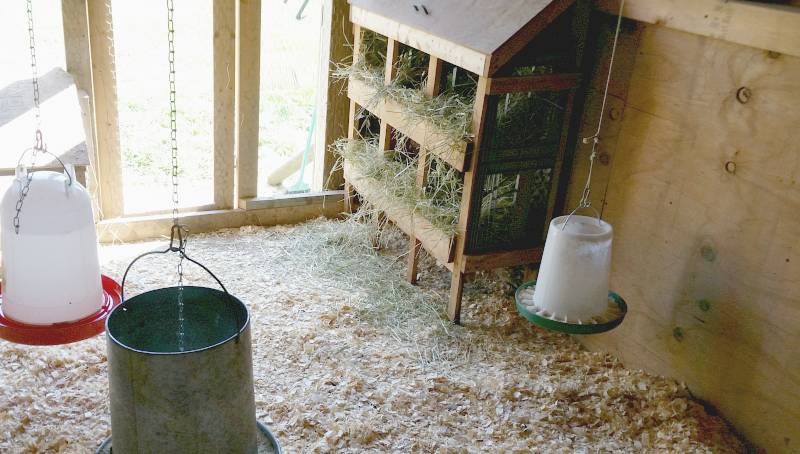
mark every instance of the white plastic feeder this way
{"type": "Point", "coordinates": [573, 281]}
{"type": "Point", "coordinates": [51, 271]}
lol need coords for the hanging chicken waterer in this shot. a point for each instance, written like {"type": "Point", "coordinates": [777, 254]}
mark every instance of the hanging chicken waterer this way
{"type": "Point", "coordinates": [52, 290]}
{"type": "Point", "coordinates": [180, 373]}
{"type": "Point", "coordinates": [572, 293]}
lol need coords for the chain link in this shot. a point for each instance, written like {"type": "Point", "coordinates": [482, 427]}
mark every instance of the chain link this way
{"type": "Point", "coordinates": [38, 143]}
{"type": "Point", "coordinates": [173, 113]}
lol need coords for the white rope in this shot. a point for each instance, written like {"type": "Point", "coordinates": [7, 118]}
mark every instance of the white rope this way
{"type": "Point", "coordinates": [584, 203]}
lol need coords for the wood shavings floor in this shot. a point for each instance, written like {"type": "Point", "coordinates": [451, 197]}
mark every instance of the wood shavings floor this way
{"type": "Point", "coordinates": [332, 374]}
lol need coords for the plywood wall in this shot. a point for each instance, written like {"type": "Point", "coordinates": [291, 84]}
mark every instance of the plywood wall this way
{"type": "Point", "coordinates": [703, 191]}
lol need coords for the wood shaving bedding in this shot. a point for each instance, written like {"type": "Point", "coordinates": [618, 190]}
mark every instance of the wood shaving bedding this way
{"type": "Point", "coordinates": [332, 374]}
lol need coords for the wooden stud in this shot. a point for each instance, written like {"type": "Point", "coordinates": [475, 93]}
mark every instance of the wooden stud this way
{"type": "Point", "coordinates": [248, 80]}
{"type": "Point", "coordinates": [432, 89]}
{"type": "Point", "coordinates": [224, 50]}
{"type": "Point", "coordinates": [104, 91]}
{"type": "Point", "coordinates": [457, 283]}
{"type": "Point", "coordinates": [768, 27]}
{"type": "Point", "coordinates": [332, 102]}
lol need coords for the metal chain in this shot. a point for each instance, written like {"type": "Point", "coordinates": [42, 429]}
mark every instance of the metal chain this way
{"type": "Point", "coordinates": [38, 143]}
{"type": "Point", "coordinates": [585, 203]}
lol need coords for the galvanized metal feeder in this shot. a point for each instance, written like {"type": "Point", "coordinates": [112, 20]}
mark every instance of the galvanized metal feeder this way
{"type": "Point", "coordinates": [181, 372]}
{"type": "Point", "coordinates": [179, 359]}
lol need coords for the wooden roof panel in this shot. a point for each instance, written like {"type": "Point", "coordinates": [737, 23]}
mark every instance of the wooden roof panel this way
{"type": "Point", "coordinates": [481, 25]}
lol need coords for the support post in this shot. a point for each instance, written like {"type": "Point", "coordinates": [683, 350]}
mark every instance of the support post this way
{"type": "Point", "coordinates": [225, 74]}
{"type": "Point", "coordinates": [248, 79]}
{"type": "Point", "coordinates": [104, 94]}
{"type": "Point", "coordinates": [332, 102]}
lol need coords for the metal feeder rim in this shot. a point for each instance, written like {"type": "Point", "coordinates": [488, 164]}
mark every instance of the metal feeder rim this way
{"type": "Point", "coordinates": [570, 328]}
{"type": "Point", "coordinates": [63, 333]}
{"type": "Point", "coordinates": [263, 432]}
{"type": "Point", "coordinates": [124, 305]}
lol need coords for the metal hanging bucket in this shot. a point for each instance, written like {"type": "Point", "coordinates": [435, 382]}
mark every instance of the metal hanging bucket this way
{"type": "Point", "coordinates": [181, 374]}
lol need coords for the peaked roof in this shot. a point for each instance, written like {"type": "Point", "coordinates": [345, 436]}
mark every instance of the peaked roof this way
{"type": "Point", "coordinates": [497, 29]}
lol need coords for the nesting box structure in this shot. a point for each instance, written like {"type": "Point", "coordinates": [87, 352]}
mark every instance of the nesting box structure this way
{"type": "Point", "coordinates": [526, 58]}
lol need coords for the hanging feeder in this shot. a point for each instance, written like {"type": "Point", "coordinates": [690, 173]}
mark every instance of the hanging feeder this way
{"type": "Point", "coordinates": [572, 291]}
{"type": "Point", "coordinates": [179, 359]}
{"type": "Point", "coordinates": [181, 373]}
{"type": "Point", "coordinates": [52, 289]}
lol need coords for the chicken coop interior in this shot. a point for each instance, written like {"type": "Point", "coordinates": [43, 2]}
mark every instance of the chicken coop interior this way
{"type": "Point", "coordinates": [374, 226]}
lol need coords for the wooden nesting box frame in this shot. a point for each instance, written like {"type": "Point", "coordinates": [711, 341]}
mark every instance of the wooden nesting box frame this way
{"type": "Point", "coordinates": [480, 37]}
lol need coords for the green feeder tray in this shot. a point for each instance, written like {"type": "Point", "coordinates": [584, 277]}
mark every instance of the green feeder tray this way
{"type": "Point", "coordinates": [571, 328]}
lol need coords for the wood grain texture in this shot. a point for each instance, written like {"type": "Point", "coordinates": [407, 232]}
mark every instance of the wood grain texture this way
{"type": "Point", "coordinates": [467, 58]}
{"type": "Point", "coordinates": [333, 104]}
{"type": "Point", "coordinates": [104, 90]}
{"type": "Point", "coordinates": [224, 101]}
{"type": "Point", "coordinates": [475, 24]}
{"type": "Point", "coordinates": [148, 227]}
{"type": "Point", "coordinates": [248, 83]}
{"type": "Point", "coordinates": [707, 258]}
{"type": "Point", "coordinates": [770, 27]}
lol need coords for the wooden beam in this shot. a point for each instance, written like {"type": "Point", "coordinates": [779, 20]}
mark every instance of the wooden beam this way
{"type": "Point", "coordinates": [248, 82]}
{"type": "Point", "coordinates": [148, 227]}
{"type": "Point", "coordinates": [332, 102]}
{"type": "Point", "coordinates": [470, 178]}
{"type": "Point", "coordinates": [770, 27]}
{"type": "Point", "coordinates": [422, 133]}
{"type": "Point", "coordinates": [390, 71]}
{"type": "Point", "coordinates": [546, 82]}
{"type": "Point", "coordinates": [77, 52]}
{"type": "Point", "coordinates": [494, 260]}
{"type": "Point", "coordinates": [525, 34]}
{"type": "Point", "coordinates": [224, 101]}
{"type": "Point", "coordinates": [461, 56]}
{"type": "Point", "coordinates": [104, 91]}
{"type": "Point", "coordinates": [290, 200]}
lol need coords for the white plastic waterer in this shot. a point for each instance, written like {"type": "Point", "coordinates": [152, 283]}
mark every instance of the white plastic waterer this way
{"type": "Point", "coordinates": [51, 271]}
{"type": "Point", "coordinates": [573, 281]}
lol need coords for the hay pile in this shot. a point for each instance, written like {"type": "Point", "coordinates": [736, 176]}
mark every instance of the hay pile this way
{"type": "Point", "coordinates": [348, 358]}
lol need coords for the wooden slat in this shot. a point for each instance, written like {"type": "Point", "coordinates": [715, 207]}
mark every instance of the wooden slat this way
{"type": "Point", "coordinates": [707, 253]}
{"type": "Point", "coordinates": [248, 80]}
{"type": "Point", "coordinates": [427, 42]}
{"type": "Point", "coordinates": [148, 227]}
{"type": "Point", "coordinates": [494, 260]}
{"type": "Point", "coordinates": [423, 133]}
{"type": "Point", "coordinates": [770, 27]}
{"type": "Point", "coordinates": [440, 246]}
{"type": "Point", "coordinates": [470, 177]}
{"type": "Point", "coordinates": [290, 200]}
{"type": "Point", "coordinates": [549, 11]}
{"type": "Point", "coordinates": [104, 90]}
{"type": "Point", "coordinates": [390, 70]}
{"type": "Point", "coordinates": [332, 102]}
{"type": "Point", "coordinates": [546, 82]}
{"type": "Point", "coordinates": [224, 50]}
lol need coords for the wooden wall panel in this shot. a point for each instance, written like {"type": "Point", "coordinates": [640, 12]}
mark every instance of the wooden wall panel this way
{"type": "Point", "coordinates": [707, 258]}
{"type": "Point", "coordinates": [248, 84]}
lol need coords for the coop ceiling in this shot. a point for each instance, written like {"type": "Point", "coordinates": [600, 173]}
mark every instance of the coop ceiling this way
{"type": "Point", "coordinates": [489, 32]}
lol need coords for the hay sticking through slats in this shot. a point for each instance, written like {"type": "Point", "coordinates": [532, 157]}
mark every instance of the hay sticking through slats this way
{"type": "Point", "coordinates": [439, 201]}
{"type": "Point", "coordinates": [450, 112]}
{"type": "Point", "coordinates": [348, 358]}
